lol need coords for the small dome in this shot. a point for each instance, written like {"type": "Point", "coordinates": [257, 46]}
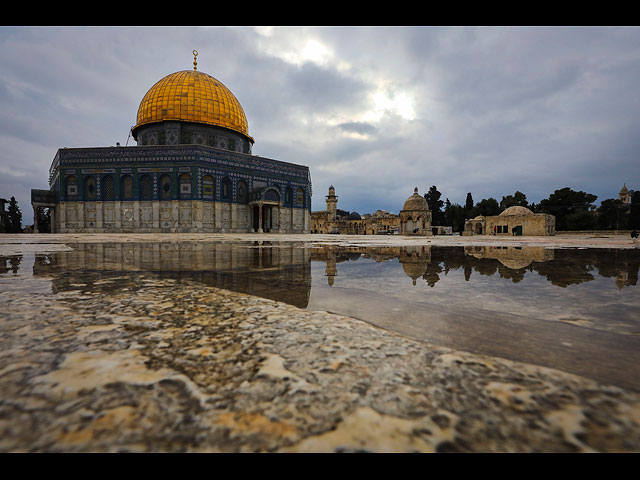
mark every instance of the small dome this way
{"type": "Point", "coordinates": [416, 202]}
{"type": "Point", "coordinates": [516, 211]}
{"type": "Point", "coordinates": [479, 217]}
{"type": "Point", "coordinates": [354, 216]}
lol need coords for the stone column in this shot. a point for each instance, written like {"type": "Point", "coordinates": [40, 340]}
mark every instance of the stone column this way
{"type": "Point", "coordinates": [99, 223]}
{"type": "Point", "coordinates": [35, 219]}
{"type": "Point", "coordinates": [259, 218]}
{"type": "Point", "coordinates": [117, 215]}
{"type": "Point", "coordinates": [155, 206]}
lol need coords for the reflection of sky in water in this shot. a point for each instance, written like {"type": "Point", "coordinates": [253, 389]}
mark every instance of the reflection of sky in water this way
{"type": "Point", "coordinates": [597, 303]}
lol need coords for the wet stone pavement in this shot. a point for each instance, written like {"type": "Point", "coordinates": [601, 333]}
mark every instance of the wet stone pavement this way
{"type": "Point", "coordinates": [142, 363]}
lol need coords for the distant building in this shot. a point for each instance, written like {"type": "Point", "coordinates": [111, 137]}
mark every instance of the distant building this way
{"type": "Point", "coordinates": [513, 221]}
{"type": "Point", "coordinates": [330, 221]}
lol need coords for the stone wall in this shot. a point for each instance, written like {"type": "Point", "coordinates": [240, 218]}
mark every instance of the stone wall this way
{"type": "Point", "coordinates": [157, 216]}
{"type": "Point", "coordinates": [532, 225]}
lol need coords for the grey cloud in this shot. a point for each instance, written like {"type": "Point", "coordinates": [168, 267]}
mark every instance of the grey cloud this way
{"type": "Point", "coordinates": [357, 127]}
{"type": "Point", "coordinates": [498, 109]}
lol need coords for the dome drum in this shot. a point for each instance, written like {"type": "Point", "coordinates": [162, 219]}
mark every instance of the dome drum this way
{"type": "Point", "coordinates": [183, 133]}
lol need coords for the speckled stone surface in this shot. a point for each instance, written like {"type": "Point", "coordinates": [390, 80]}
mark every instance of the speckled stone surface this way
{"type": "Point", "coordinates": [181, 367]}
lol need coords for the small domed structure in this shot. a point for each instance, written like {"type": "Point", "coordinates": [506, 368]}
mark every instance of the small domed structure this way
{"type": "Point", "coordinates": [516, 210]}
{"type": "Point", "coordinates": [415, 217]}
{"type": "Point", "coordinates": [354, 216]}
{"type": "Point", "coordinates": [515, 221]}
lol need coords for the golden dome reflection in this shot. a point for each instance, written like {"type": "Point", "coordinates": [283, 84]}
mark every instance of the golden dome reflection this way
{"type": "Point", "coordinates": [192, 96]}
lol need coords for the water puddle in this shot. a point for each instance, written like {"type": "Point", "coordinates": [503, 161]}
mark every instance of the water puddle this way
{"type": "Point", "coordinates": [577, 310]}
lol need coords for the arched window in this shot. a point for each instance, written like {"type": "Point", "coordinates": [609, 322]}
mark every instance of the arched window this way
{"type": "Point", "coordinates": [126, 190]}
{"type": "Point", "coordinates": [243, 193]}
{"type": "Point", "coordinates": [288, 196]}
{"type": "Point", "coordinates": [226, 188]}
{"type": "Point", "coordinates": [272, 194]}
{"type": "Point", "coordinates": [90, 188]}
{"type": "Point", "coordinates": [185, 186]}
{"type": "Point", "coordinates": [165, 187]}
{"type": "Point", "coordinates": [207, 187]}
{"type": "Point", "coordinates": [300, 197]}
{"type": "Point", "coordinates": [146, 188]}
{"type": "Point", "coordinates": [72, 186]}
{"type": "Point", "coordinates": [107, 188]}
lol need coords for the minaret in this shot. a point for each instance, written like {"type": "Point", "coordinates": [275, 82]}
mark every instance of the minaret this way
{"type": "Point", "coordinates": [623, 196]}
{"type": "Point", "coordinates": [332, 204]}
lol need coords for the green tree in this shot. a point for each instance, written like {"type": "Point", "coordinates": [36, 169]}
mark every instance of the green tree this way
{"type": "Point", "coordinates": [612, 215]}
{"type": "Point", "coordinates": [44, 220]}
{"type": "Point", "coordinates": [565, 204]}
{"type": "Point", "coordinates": [458, 216]}
{"type": "Point", "coordinates": [580, 220]}
{"type": "Point", "coordinates": [486, 207]}
{"type": "Point", "coordinates": [518, 199]}
{"type": "Point", "coordinates": [468, 204]}
{"type": "Point", "coordinates": [435, 205]}
{"type": "Point", "coordinates": [447, 214]}
{"type": "Point", "coordinates": [14, 217]}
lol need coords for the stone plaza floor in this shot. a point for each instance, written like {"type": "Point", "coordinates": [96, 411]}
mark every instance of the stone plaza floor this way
{"type": "Point", "coordinates": [149, 364]}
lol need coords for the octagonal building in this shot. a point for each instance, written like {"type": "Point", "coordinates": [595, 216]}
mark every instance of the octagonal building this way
{"type": "Point", "coordinates": [192, 170]}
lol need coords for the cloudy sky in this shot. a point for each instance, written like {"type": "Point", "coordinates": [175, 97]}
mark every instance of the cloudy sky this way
{"type": "Point", "coordinates": [375, 111]}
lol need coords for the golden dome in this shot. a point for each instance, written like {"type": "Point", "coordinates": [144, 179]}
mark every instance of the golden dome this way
{"type": "Point", "coordinates": [192, 96]}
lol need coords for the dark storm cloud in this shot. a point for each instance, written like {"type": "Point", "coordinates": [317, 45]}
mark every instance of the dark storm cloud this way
{"type": "Point", "coordinates": [373, 111]}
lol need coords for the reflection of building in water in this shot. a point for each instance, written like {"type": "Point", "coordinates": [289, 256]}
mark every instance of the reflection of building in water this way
{"type": "Point", "coordinates": [560, 267]}
{"type": "Point", "coordinates": [277, 272]}
{"type": "Point", "coordinates": [192, 171]}
{"type": "Point", "coordinates": [512, 257]}
{"type": "Point", "coordinates": [11, 263]}
{"type": "Point", "coordinates": [513, 221]}
{"type": "Point", "coordinates": [332, 221]}
{"type": "Point", "coordinates": [414, 259]}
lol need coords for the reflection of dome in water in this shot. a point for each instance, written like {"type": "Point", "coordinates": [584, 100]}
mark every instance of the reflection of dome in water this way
{"type": "Point", "coordinates": [515, 263]}
{"type": "Point", "coordinates": [517, 210]}
{"type": "Point", "coordinates": [415, 202]}
{"type": "Point", "coordinates": [414, 270]}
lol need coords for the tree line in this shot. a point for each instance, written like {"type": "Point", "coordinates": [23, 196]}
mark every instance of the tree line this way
{"type": "Point", "coordinates": [574, 210]}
